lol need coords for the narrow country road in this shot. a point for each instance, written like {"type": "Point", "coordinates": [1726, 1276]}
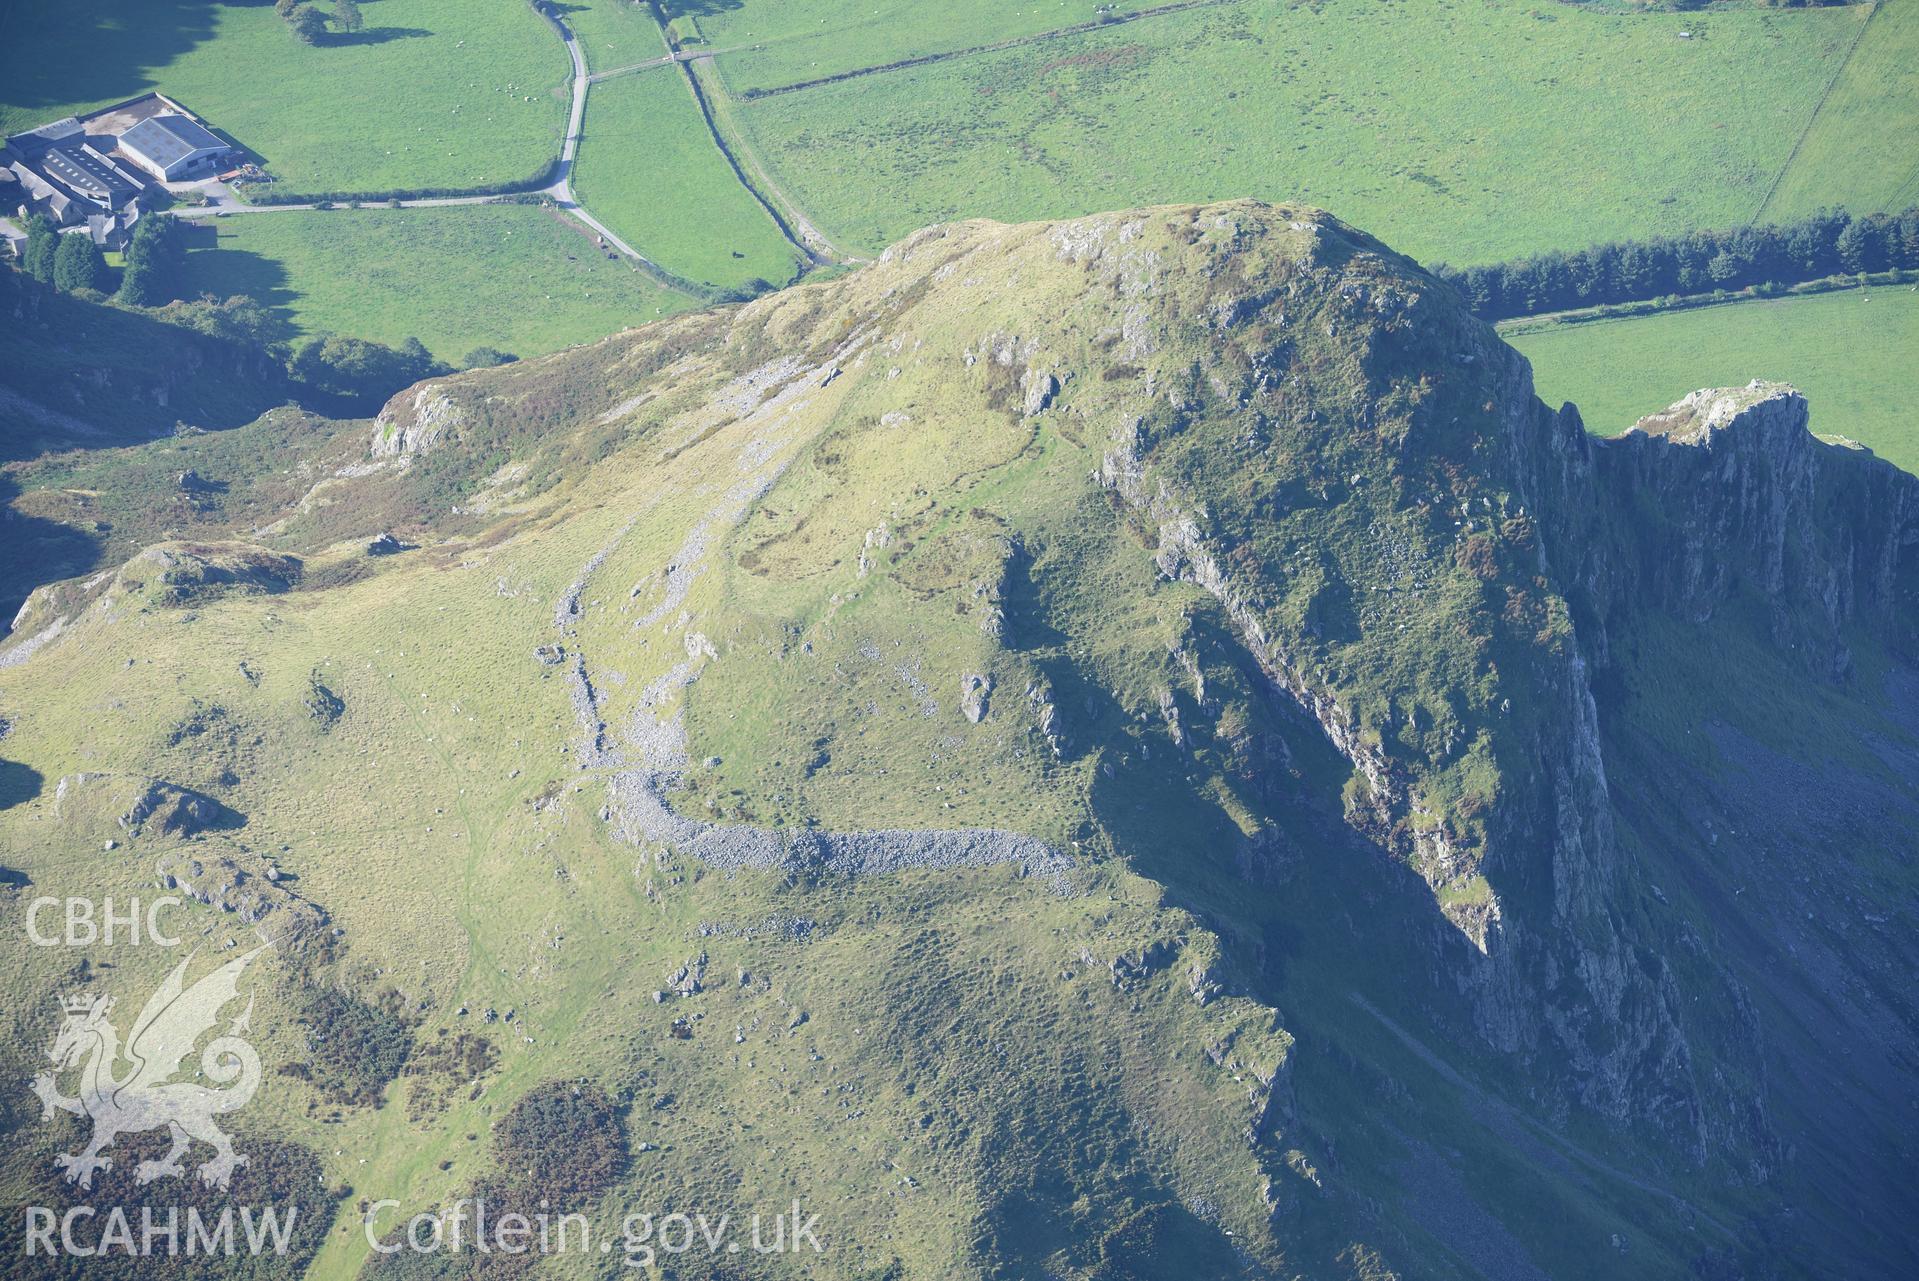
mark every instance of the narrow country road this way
{"type": "Point", "coordinates": [561, 189]}
{"type": "Point", "coordinates": [220, 204]}
{"type": "Point", "coordinates": [221, 201]}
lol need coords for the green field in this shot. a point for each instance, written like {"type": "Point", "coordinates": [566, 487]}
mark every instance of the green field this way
{"type": "Point", "coordinates": [507, 276]}
{"type": "Point", "coordinates": [648, 168]}
{"type": "Point", "coordinates": [1851, 353]}
{"type": "Point", "coordinates": [615, 33]}
{"type": "Point", "coordinates": [1469, 133]}
{"type": "Point", "coordinates": [1861, 141]}
{"type": "Point", "coordinates": [434, 93]}
{"type": "Point", "coordinates": [776, 42]}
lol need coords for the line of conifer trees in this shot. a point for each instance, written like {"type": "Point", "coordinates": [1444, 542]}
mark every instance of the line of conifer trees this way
{"type": "Point", "coordinates": [1828, 243]}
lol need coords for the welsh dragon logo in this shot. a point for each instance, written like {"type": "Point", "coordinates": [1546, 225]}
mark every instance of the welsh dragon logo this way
{"type": "Point", "coordinates": [144, 1096]}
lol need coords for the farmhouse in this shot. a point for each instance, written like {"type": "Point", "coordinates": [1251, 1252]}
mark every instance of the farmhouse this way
{"type": "Point", "coordinates": [90, 172]}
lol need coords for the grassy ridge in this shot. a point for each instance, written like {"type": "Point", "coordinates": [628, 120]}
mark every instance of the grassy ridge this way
{"type": "Point", "coordinates": [1466, 133]}
{"type": "Point", "coordinates": [1850, 352]}
{"type": "Point", "coordinates": [507, 276]}
{"type": "Point", "coordinates": [421, 98]}
{"type": "Point", "coordinates": [648, 168]}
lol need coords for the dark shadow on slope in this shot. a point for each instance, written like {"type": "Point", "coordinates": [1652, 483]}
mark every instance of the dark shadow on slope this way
{"type": "Point", "coordinates": [1339, 937]}
{"type": "Point", "coordinates": [34, 551]}
{"type": "Point", "coordinates": [1789, 858]}
{"type": "Point", "coordinates": [18, 784]}
{"type": "Point", "coordinates": [1244, 826]}
{"type": "Point", "coordinates": [87, 374]}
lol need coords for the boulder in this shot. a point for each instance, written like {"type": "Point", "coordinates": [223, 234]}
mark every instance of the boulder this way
{"type": "Point", "coordinates": [1040, 387]}
{"type": "Point", "coordinates": [176, 811]}
{"type": "Point", "coordinates": [975, 690]}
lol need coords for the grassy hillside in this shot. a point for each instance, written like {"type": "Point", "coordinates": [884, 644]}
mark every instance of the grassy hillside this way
{"type": "Point", "coordinates": [434, 93]}
{"type": "Point", "coordinates": [649, 169]}
{"type": "Point", "coordinates": [927, 743]}
{"type": "Point", "coordinates": [1468, 133]}
{"type": "Point", "coordinates": [508, 276]}
{"type": "Point", "coordinates": [1850, 352]}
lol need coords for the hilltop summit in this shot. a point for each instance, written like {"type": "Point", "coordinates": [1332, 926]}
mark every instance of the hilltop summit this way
{"type": "Point", "coordinates": [1187, 757]}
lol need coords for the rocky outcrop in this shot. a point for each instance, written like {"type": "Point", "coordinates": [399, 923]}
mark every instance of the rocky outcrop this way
{"type": "Point", "coordinates": [97, 804]}
{"type": "Point", "coordinates": [322, 706]}
{"type": "Point", "coordinates": [1731, 493]}
{"type": "Point", "coordinates": [1038, 387]}
{"type": "Point", "coordinates": [188, 573]}
{"type": "Point", "coordinates": [168, 574]}
{"type": "Point", "coordinates": [252, 888]}
{"type": "Point", "coordinates": [975, 691]}
{"type": "Point", "coordinates": [172, 810]}
{"type": "Point", "coordinates": [416, 420]}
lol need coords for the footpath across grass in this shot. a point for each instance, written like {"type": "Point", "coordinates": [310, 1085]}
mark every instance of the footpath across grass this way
{"type": "Point", "coordinates": [649, 169]}
{"type": "Point", "coordinates": [514, 277]}
{"type": "Point", "coordinates": [1850, 352]}
{"type": "Point", "coordinates": [432, 94]}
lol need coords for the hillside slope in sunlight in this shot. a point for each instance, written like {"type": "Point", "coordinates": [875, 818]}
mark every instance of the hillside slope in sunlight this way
{"type": "Point", "coordinates": [1133, 746]}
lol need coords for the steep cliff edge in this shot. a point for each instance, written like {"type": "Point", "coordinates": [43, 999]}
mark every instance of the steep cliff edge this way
{"type": "Point", "coordinates": [1729, 493]}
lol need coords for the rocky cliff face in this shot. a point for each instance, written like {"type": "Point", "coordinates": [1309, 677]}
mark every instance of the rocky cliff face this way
{"type": "Point", "coordinates": [1724, 502]}
{"type": "Point", "coordinates": [1424, 491]}
{"type": "Point", "coordinates": [1729, 493]}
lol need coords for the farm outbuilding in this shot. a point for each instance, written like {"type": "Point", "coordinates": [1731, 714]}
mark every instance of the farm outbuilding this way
{"type": "Point", "coordinates": [91, 171]}
{"type": "Point", "coordinates": [173, 148]}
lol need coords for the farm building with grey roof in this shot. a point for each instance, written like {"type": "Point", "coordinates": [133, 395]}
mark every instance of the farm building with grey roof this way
{"type": "Point", "coordinates": [88, 170]}
{"type": "Point", "coordinates": [173, 147]}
